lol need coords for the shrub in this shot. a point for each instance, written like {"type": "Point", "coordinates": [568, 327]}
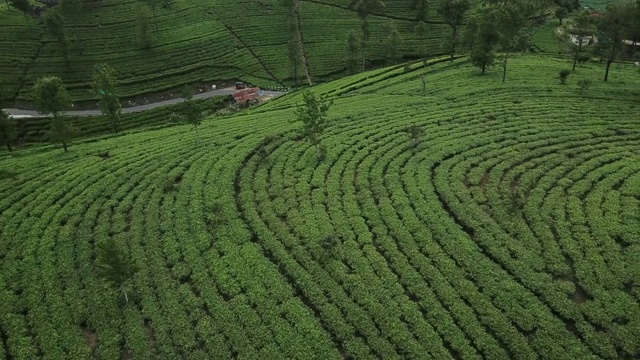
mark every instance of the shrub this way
{"type": "Point", "coordinates": [564, 74]}
{"type": "Point", "coordinates": [584, 84]}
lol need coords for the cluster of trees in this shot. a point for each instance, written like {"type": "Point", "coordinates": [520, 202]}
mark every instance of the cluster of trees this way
{"type": "Point", "coordinates": [51, 97]}
{"type": "Point", "coordinates": [295, 46]}
{"type": "Point", "coordinates": [452, 12]}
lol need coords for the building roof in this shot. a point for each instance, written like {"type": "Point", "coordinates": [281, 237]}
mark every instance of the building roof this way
{"type": "Point", "coordinates": [246, 94]}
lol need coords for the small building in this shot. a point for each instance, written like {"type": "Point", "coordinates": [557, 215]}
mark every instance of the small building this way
{"type": "Point", "coordinates": [246, 97]}
{"type": "Point", "coordinates": [586, 40]}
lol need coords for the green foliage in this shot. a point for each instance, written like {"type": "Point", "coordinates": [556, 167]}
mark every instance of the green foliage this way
{"type": "Point", "coordinates": [612, 27]}
{"type": "Point", "coordinates": [453, 13]}
{"type": "Point", "coordinates": [312, 113]}
{"type": "Point", "coordinates": [422, 9]}
{"type": "Point", "coordinates": [104, 86]}
{"type": "Point", "coordinates": [415, 133]}
{"type": "Point", "coordinates": [62, 131]}
{"type": "Point", "coordinates": [294, 53]}
{"type": "Point", "coordinates": [8, 129]}
{"type": "Point", "coordinates": [23, 6]}
{"type": "Point", "coordinates": [561, 13]}
{"type": "Point", "coordinates": [431, 260]}
{"type": "Point", "coordinates": [352, 47]}
{"type": "Point", "coordinates": [584, 84]}
{"type": "Point", "coordinates": [51, 96]}
{"type": "Point", "coordinates": [391, 44]}
{"type": "Point", "coordinates": [143, 24]}
{"type": "Point", "coordinates": [115, 265]}
{"type": "Point", "coordinates": [564, 74]}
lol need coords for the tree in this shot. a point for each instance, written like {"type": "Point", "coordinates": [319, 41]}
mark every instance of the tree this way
{"type": "Point", "coordinates": [104, 83]}
{"type": "Point", "coordinates": [561, 13]}
{"type": "Point", "coordinates": [482, 36]}
{"type": "Point", "coordinates": [582, 27]}
{"type": "Point", "coordinates": [363, 9]}
{"type": "Point", "coordinates": [293, 52]}
{"type": "Point", "coordinates": [191, 112]}
{"type": "Point", "coordinates": [612, 25]}
{"type": "Point", "coordinates": [7, 129]}
{"type": "Point", "coordinates": [512, 21]}
{"type": "Point", "coordinates": [422, 30]}
{"type": "Point", "coordinates": [144, 37]}
{"type": "Point", "coordinates": [422, 9]}
{"type": "Point", "coordinates": [52, 97]}
{"type": "Point", "coordinates": [453, 12]}
{"type": "Point", "coordinates": [352, 47]}
{"type": "Point", "coordinates": [391, 43]}
{"type": "Point", "coordinates": [312, 113]}
{"type": "Point", "coordinates": [584, 84]}
{"type": "Point", "coordinates": [115, 266]}
{"type": "Point", "coordinates": [564, 74]}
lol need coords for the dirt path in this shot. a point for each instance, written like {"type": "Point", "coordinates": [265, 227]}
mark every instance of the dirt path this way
{"type": "Point", "coordinates": [19, 113]}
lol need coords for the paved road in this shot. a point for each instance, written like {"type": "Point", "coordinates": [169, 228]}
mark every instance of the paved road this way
{"type": "Point", "coordinates": [19, 113]}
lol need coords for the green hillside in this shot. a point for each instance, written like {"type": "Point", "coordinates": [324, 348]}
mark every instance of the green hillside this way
{"type": "Point", "coordinates": [195, 41]}
{"type": "Point", "coordinates": [511, 231]}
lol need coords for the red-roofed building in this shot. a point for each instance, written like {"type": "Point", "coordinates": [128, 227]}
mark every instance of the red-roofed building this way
{"type": "Point", "coordinates": [595, 14]}
{"type": "Point", "coordinates": [247, 95]}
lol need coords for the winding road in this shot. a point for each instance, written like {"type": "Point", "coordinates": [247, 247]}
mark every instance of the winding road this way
{"type": "Point", "coordinates": [19, 113]}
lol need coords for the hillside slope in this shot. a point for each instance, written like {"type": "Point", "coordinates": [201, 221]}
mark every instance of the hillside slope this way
{"type": "Point", "coordinates": [510, 231]}
{"type": "Point", "coordinates": [195, 41]}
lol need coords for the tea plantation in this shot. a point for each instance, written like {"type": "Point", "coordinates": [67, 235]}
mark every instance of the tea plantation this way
{"type": "Point", "coordinates": [509, 230]}
{"type": "Point", "coordinates": [193, 41]}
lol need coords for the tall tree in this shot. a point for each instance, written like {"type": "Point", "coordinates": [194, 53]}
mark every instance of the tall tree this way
{"type": "Point", "coordinates": [52, 97]}
{"type": "Point", "coordinates": [482, 36]}
{"type": "Point", "coordinates": [115, 266]}
{"type": "Point", "coordinates": [312, 113]}
{"type": "Point", "coordinates": [512, 21]}
{"type": "Point", "coordinates": [363, 9]}
{"type": "Point", "coordinates": [391, 43]}
{"type": "Point", "coordinates": [191, 112]}
{"type": "Point", "coordinates": [293, 53]}
{"type": "Point", "coordinates": [7, 129]}
{"type": "Point", "coordinates": [612, 26]}
{"type": "Point", "coordinates": [422, 30]}
{"type": "Point", "coordinates": [352, 47]}
{"type": "Point", "coordinates": [561, 13]}
{"type": "Point", "coordinates": [453, 12]}
{"type": "Point", "coordinates": [104, 86]}
{"type": "Point", "coordinates": [582, 27]}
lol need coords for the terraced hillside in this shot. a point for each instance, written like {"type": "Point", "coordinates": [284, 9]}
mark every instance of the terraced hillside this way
{"type": "Point", "coordinates": [512, 231]}
{"type": "Point", "coordinates": [195, 41]}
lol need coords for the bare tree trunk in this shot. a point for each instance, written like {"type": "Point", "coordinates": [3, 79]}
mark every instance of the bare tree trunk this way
{"type": "Point", "coordinates": [575, 57]}
{"type": "Point", "coordinates": [453, 42]}
{"type": "Point", "coordinates": [126, 298]}
{"type": "Point", "coordinates": [606, 74]}
{"type": "Point", "coordinates": [364, 55]}
{"type": "Point", "coordinates": [504, 67]}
